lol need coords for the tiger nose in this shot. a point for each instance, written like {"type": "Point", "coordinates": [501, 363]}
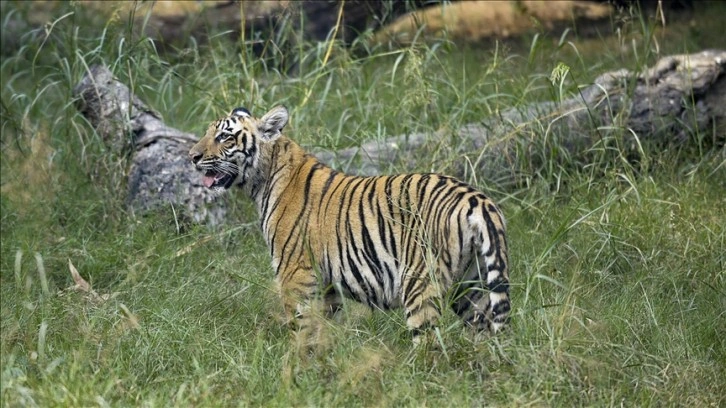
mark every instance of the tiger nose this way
{"type": "Point", "coordinates": [195, 156]}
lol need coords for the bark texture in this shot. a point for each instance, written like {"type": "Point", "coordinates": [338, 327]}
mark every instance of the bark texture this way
{"type": "Point", "coordinates": [680, 96]}
{"type": "Point", "coordinates": [160, 173]}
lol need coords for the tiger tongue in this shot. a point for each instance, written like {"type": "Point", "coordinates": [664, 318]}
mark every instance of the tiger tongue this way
{"type": "Point", "coordinates": [208, 181]}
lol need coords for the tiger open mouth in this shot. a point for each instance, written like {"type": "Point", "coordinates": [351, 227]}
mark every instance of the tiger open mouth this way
{"type": "Point", "coordinates": [213, 179]}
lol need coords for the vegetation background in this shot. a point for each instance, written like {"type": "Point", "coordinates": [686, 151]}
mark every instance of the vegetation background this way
{"type": "Point", "coordinates": [618, 260]}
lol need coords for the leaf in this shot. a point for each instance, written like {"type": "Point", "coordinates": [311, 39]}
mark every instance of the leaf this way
{"type": "Point", "coordinates": [189, 248]}
{"type": "Point", "coordinates": [81, 284]}
{"type": "Point", "coordinates": [132, 321]}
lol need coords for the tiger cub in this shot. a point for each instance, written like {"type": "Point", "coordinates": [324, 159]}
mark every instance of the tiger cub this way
{"type": "Point", "coordinates": [411, 240]}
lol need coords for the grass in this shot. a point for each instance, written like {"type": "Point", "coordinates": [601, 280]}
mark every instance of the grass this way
{"type": "Point", "coordinates": [617, 267]}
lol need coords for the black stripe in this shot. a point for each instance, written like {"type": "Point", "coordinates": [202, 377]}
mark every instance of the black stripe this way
{"type": "Point", "coordinates": [301, 218]}
{"type": "Point", "coordinates": [369, 248]}
{"type": "Point", "coordinates": [328, 182]}
{"type": "Point", "coordinates": [339, 240]}
{"type": "Point", "coordinates": [499, 285]}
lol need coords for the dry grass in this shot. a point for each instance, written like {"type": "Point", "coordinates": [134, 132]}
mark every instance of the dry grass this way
{"type": "Point", "coordinates": [474, 21]}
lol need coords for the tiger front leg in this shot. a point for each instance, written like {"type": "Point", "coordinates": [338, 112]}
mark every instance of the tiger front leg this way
{"type": "Point", "coordinates": [303, 306]}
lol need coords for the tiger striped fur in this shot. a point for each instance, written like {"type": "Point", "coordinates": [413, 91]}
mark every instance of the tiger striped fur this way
{"type": "Point", "coordinates": [387, 241]}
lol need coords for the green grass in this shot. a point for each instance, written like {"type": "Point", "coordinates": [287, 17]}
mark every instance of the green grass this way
{"type": "Point", "coordinates": [619, 289]}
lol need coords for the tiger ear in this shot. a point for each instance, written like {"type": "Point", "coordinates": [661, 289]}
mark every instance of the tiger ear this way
{"type": "Point", "coordinates": [240, 112]}
{"type": "Point", "coordinates": [272, 123]}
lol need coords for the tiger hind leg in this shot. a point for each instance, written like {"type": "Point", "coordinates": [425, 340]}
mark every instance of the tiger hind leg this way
{"type": "Point", "coordinates": [483, 302]}
{"type": "Point", "coordinates": [498, 305]}
{"type": "Point", "coordinates": [332, 303]}
{"type": "Point", "coordinates": [471, 303]}
{"type": "Point", "coordinates": [421, 300]}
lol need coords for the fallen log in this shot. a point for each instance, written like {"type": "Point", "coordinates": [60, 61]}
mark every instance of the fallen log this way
{"type": "Point", "coordinates": [159, 173]}
{"type": "Point", "coordinates": [678, 97]}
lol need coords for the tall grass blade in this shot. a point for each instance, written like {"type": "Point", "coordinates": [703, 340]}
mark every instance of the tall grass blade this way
{"type": "Point", "coordinates": [41, 274]}
{"type": "Point", "coordinates": [41, 340]}
{"type": "Point", "coordinates": [17, 269]}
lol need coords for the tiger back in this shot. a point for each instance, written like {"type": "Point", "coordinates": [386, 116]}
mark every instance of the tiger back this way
{"type": "Point", "coordinates": [411, 240]}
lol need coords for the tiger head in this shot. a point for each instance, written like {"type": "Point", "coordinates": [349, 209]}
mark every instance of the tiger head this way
{"type": "Point", "coordinates": [229, 152]}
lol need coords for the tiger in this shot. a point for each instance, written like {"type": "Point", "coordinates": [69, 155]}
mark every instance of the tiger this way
{"type": "Point", "coordinates": [417, 241]}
